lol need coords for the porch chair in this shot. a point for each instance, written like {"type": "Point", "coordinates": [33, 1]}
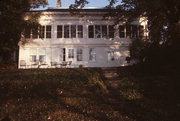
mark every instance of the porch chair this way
{"type": "Point", "coordinates": [22, 63]}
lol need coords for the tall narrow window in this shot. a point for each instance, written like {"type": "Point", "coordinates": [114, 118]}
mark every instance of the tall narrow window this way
{"type": "Point", "coordinates": [70, 53]}
{"type": "Point", "coordinates": [35, 32]}
{"type": "Point", "coordinates": [134, 31]}
{"type": "Point", "coordinates": [59, 31]}
{"type": "Point", "coordinates": [41, 31]}
{"type": "Point", "coordinates": [33, 55]}
{"type": "Point", "coordinates": [42, 55]}
{"type": "Point", "coordinates": [66, 31]}
{"type": "Point", "coordinates": [27, 32]}
{"type": "Point", "coordinates": [92, 54]}
{"type": "Point", "coordinates": [111, 31]}
{"type": "Point", "coordinates": [73, 31]}
{"type": "Point", "coordinates": [97, 31]}
{"type": "Point", "coordinates": [141, 31]}
{"type": "Point", "coordinates": [64, 54]}
{"type": "Point", "coordinates": [91, 31]}
{"type": "Point", "coordinates": [104, 31]}
{"type": "Point", "coordinates": [80, 31]}
{"type": "Point", "coordinates": [79, 54]}
{"type": "Point", "coordinates": [128, 31]}
{"type": "Point", "coordinates": [121, 31]}
{"type": "Point", "coordinates": [48, 31]}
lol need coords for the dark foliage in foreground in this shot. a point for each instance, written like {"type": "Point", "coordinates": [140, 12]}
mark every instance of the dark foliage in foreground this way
{"type": "Point", "coordinates": [81, 94]}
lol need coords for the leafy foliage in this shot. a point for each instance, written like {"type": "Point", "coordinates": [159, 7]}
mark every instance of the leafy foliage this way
{"type": "Point", "coordinates": [12, 23]}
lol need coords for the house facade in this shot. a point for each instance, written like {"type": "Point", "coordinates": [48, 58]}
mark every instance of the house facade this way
{"type": "Point", "coordinates": [83, 39]}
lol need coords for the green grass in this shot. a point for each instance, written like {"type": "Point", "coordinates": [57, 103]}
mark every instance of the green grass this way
{"type": "Point", "coordinates": [83, 94]}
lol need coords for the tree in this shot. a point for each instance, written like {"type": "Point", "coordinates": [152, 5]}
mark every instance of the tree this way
{"type": "Point", "coordinates": [12, 23]}
{"type": "Point", "coordinates": [163, 24]}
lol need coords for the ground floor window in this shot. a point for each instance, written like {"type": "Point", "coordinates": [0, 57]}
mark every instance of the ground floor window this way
{"type": "Point", "coordinates": [79, 54]}
{"type": "Point", "coordinates": [33, 58]}
{"type": "Point", "coordinates": [70, 53]}
{"type": "Point", "coordinates": [92, 54]}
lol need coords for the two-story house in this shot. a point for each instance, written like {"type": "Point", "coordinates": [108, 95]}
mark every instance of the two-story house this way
{"type": "Point", "coordinates": [84, 39]}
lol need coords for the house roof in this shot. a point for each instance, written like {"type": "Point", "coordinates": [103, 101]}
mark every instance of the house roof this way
{"type": "Point", "coordinates": [88, 9]}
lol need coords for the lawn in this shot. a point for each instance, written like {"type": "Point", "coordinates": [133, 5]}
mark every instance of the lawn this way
{"type": "Point", "coordinates": [84, 94]}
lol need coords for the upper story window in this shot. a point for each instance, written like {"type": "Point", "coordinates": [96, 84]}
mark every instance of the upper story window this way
{"type": "Point", "coordinates": [91, 31]}
{"type": "Point", "coordinates": [131, 31]}
{"type": "Point", "coordinates": [101, 31]}
{"type": "Point", "coordinates": [69, 31]}
{"type": "Point", "coordinates": [48, 31]}
{"type": "Point", "coordinates": [38, 32]}
{"type": "Point", "coordinates": [59, 31]}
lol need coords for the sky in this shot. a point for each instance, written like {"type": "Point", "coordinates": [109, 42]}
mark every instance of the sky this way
{"type": "Point", "coordinates": [66, 3]}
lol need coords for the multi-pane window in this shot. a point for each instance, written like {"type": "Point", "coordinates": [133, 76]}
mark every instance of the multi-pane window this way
{"type": "Point", "coordinates": [80, 31]}
{"type": "Point", "coordinates": [70, 31]}
{"type": "Point", "coordinates": [66, 31]}
{"type": "Point", "coordinates": [59, 31]}
{"type": "Point", "coordinates": [92, 54]}
{"type": "Point", "coordinates": [71, 53]}
{"type": "Point", "coordinates": [48, 31]}
{"type": "Point", "coordinates": [73, 31]}
{"type": "Point", "coordinates": [121, 31]}
{"type": "Point", "coordinates": [41, 58]}
{"type": "Point", "coordinates": [101, 31]}
{"type": "Point", "coordinates": [104, 31]}
{"type": "Point", "coordinates": [41, 31]}
{"type": "Point", "coordinates": [33, 58]}
{"type": "Point", "coordinates": [131, 31]}
{"type": "Point", "coordinates": [79, 54]}
{"type": "Point", "coordinates": [98, 31]}
{"type": "Point", "coordinates": [111, 31]}
{"type": "Point", "coordinates": [91, 31]}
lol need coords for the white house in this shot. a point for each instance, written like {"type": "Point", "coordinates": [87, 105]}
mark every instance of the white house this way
{"type": "Point", "coordinates": [84, 39]}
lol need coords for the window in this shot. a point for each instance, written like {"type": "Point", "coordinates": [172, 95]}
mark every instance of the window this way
{"type": "Point", "coordinates": [121, 31]}
{"type": "Point", "coordinates": [41, 58]}
{"type": "Point", "coordinates": [64, 54]}
{"type": "Point", "coordinates": [104, 31]}
{"type": "Point", "coordinates": [79, 54]}
{"type": "Point", "coordinates": [48, 31]}
{"type": "Point", "coordinates": [59, 31]}
{"type": "Point", "coordinates": [66, 31]}
{"type": "Point", "coordinates": [41, 31]}
{"type": "Point", "coordinates": [92, 54]}
{"type": "Point", "coordinates": [91, 31]}
{"type": "Point", "coordinates": [73, 31]}
{"type": "Point", "coordinates": [97, 31]}
{"type": "Point", "coordinates": [71, 53]}
{"type": "Point", "coordinates": [42, 53]}
{"type": "Point", "coordinates": [80, 31]}
{"type": "Point", "coordinates": [111, 56]}
{"type": "Point", "coordinates": [33, 58]}
{"type": "Point", "coordinates": [111, 31]}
